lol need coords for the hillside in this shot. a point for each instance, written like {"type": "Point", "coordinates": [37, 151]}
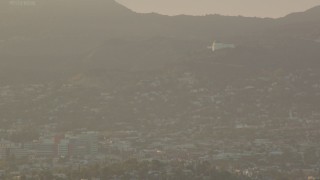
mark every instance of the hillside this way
{"type": "Point", "coordinates": [101, 39]}
{"type": "Point", "coordinates": [154, 89]}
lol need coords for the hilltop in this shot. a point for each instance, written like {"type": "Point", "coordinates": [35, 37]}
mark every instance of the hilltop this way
{"type": "Point", "coordinates": [58, 39]}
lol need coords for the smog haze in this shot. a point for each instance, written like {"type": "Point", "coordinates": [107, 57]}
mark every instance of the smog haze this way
{"type": "Point", "coordinates": [259, 8]}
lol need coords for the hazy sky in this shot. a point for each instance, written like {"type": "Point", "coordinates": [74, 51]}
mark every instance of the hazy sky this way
{"type": "Point", "coordinates": [261, 8]}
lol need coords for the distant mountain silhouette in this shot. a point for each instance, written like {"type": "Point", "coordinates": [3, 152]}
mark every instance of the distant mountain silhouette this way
{"type": "Point", "coordinates": [104, 63]}
{"type": "Point", "coordinates": [303, 25]}
{"type": "Point", "coordinates": [106, 18]}
{"type": "Point", "coordinates": [63, 37]}
{"type": "Point", "coordinates": [311, 15]}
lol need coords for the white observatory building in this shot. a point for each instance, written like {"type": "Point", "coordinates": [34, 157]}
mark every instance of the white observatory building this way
{"type": "Point", "coordinates": [216, 46]}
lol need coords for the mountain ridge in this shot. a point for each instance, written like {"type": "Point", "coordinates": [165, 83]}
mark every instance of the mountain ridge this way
{"type": "Point", "coordinates": [75, 31]}
{"type": "Point", "coordinates": [312, 14]}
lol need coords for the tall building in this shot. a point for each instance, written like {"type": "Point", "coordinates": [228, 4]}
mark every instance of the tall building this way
{"type": "Point", "coordinates": [4, 152]}
{"type": "Point", "coordinates": [20, 152]}
{"type": "Point", "coordinates": [217, 46]}
{"type": "Point", "coordinates": [63, 148]}
{"type": "Point", "coordinates": [45, 148]}
{"type": "Point", "coordinates": [84, 144]}
{"type": "Point", "coordinates": [57, 139]}
{"type": "Point", "coordinates": [91, 139]}
{"type": "Point", "coordinates": [5, 147]}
